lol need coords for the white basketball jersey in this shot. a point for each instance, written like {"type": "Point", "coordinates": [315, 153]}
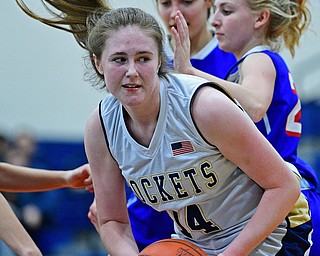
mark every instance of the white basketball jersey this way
{"type": "Point", "coordinates": [207, 196]}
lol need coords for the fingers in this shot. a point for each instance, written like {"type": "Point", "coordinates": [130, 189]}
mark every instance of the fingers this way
{"type": "Point", "coordinates": [87, 178]}
{"type": "Point", "coordinates": [80, 178]}
{"type": "Point", "coordinates": [92, 215]}
{"type": "Point", "coordinates": [182, 27]}
{"type": "Point", "coordinates": [181, 45]}
{"type": "Point", "coordinates": [86, 168]}
{"type": "Point", "coordinates": [88, 181]}
{"type": "Point", "coordinates": [180, 32]}
{"type": "Point", "coordinates": [89, 188]}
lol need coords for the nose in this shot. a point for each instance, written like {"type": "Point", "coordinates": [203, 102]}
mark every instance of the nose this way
{"type": "Point", "coordinates": [173, 10]}
{"type": "Point", "coordinates": [215, 21]}
{"type": "Point", "coordinates": [131, 71]}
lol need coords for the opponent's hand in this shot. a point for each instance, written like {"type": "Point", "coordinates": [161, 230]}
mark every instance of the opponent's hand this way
{"type": "Point", "coordinates": [181, 45]}
{"type": "Point", "coordinates": [80, 178]}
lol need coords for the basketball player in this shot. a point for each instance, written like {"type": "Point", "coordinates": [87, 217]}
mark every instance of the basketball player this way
{"type": "Point", "coordinates": [265, 87]}
{"type": "Point", "coordinates": [150, 225]}
{"type": "Point", "coordinates": [176, 151]}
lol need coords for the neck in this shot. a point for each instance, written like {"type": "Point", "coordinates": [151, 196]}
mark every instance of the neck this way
{"type": "Point", "coordinates": [256, 41]}
{"type": "Point", "coordinates": [141, 121]}
{"type": "Point", "coordinates": [200, 41]}
{"type": "Point", "coordinates": [197, 42]}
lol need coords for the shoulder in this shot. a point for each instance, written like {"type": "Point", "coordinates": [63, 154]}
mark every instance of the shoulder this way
{"type": "Point", "coordinates": [185, 78]}
{"type": "Point", "coordinates": [255, 57]}
{"type": "Point", "coordinates": [93, 123]}
{"type": "Point", "coordinates": [182, 82]}
{"type": "Point", "coordinates": [94, 136]}
{"type": "Point", "coordinates": [212, 104]}
{"type": "Point", "coordinates": [218, 118]}
{"type": "Point", "coordinates": [108, 103]}
{"type": "Point", "coordinates": [258, 64]}
{"type": "Point", "coordinates": [264, 57]}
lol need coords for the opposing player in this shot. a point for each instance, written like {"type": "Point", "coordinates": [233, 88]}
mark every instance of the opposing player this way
{"type": "Point", "coordinates": [265, 87]}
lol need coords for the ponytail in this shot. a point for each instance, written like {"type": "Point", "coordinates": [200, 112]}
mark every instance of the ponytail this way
{"type": "Point", "coordinates": [69, 15]}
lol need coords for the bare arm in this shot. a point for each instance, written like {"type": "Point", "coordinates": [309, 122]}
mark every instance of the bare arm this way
{"type": "Point", "coordinates": [241, 142]}
{"type": "Point", "coordinates": [15, 178]}
{"type": "Point", "coordinates": [255, 90]}
{"type": "Point", "coordinates": [110, 198]}
{"type": "Point", "coordinates": [14, 234]}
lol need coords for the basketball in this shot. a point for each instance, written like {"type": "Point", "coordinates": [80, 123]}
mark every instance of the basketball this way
{"type": "Point", "coordinates": [172, 247]}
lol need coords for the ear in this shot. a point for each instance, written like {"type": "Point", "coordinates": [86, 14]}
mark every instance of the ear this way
{"type": "Point", "coordinates": [262, 18]}
{"type": "Point", "coordinates": [97, 63]}
{"type": "Point", "coordinates": [159, 65]}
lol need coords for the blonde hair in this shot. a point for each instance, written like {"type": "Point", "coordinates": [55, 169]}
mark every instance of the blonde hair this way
{"type": "Point", "coordinates": [288, 20]}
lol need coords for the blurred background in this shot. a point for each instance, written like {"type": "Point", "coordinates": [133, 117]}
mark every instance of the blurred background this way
{"type": "Point", "coordinates": [45, 103]}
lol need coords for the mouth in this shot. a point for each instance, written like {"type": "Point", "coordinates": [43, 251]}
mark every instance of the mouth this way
{"type": "Point", "coordinates": [218, 35]}
{"type": "Point", "coordinates": [131, 86]}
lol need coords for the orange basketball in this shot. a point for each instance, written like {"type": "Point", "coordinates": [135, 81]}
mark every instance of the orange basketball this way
{"type": "Point", "coordinates": [172, 247]}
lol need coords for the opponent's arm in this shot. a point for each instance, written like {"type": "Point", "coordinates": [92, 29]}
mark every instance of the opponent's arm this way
{"type": "Point", "coordinates": [254, 91]}
{"type": "Point", "coordinates": [240, 141]}
{"type": "Point", "coordinates": [110, 197]}
{"type": "Point", "coordinates": [15, 178]}
{"type": "Point", "coordinates": [13, 233]}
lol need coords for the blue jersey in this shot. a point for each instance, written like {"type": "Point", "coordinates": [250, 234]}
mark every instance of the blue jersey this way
{"type": "Point", "coordinates": [282, 127]}
{"type": "Point", "coordinates": [282, 123]}
{"type": "Point", "coordinates": [210, 59]}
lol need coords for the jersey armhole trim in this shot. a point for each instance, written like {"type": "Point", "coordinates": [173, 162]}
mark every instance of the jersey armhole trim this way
{"type": "Point", "coordinates": [219, 88]}
{"type": "Point", "coordinates": [104, 129]}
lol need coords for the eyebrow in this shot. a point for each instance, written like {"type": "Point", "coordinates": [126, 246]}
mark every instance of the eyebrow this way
{"type": "Point", "coordinates": [124, 53]}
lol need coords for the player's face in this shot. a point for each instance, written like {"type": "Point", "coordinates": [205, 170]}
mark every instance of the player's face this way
{"type": "Point", "coordinates": [234, 24]}
{"type": "Point", "coordinates": [129, 63]}
{"type": "Point", "coordinates": [194, 11]}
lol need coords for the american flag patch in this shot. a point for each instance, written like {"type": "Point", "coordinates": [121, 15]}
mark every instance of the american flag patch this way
{"type": "Point", "coordinates": [181, 147]}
